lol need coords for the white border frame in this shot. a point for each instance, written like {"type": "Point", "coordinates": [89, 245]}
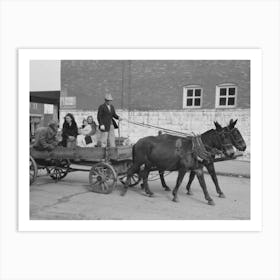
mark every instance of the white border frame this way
{"type": "Point", "coordinates": [254, 224]}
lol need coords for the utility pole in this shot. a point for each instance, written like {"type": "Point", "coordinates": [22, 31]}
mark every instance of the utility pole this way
{"type": "Point", "coordinates": [123, 84]}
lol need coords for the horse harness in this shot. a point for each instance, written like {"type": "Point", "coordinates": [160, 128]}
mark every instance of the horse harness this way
{"type": "Point", "coordinates": [236, 139]}
{"type": "Point", "coordinates": [201, 151]}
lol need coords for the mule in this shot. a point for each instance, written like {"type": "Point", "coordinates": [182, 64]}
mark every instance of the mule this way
{"type": "Point", "coordinates": [173, 153]}
{"type": "Point", "coordinates": [236, 140]}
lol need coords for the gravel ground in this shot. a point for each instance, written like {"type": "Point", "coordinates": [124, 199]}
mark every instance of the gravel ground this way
{"type": "Point", "coordinates": [69, 199]}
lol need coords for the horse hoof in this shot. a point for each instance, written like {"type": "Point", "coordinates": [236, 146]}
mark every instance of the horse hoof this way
{"type": "Point", "coordinates": [211, 202]}
{"type": "Point", "coordinates": [221, 195]}
{"type": "Point", "coordinates": [175, 199]}
{"type": "Point", "coordinates": [189, 193]}
{"type": "Point", "coordinates": [167, 189]}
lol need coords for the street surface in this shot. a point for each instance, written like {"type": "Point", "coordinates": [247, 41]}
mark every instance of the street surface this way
{"type": "Point", "coordinates": [69, 199]}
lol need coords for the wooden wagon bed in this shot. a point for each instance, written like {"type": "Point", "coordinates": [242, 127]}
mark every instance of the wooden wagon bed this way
{"type": "Point", "coordinates": [107, 165]}
{"type": "Point", "coordinates": [95, 154]}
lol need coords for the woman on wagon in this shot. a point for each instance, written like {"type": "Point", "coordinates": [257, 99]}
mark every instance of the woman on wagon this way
{"type": "Point", "coordinates": [69, 131]}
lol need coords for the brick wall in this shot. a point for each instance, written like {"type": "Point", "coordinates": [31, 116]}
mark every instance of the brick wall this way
{"type": "Point", "coordinates": [89, 80]}
{"type": "Point", "coordinates": [151, 85]}
{"type": "Point", "coordinates": [197, 121]}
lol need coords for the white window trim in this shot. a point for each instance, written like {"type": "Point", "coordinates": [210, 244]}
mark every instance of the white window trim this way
{"type": "Point", "coordinates": [218, 95]}
{"type": "Point", "coordinates": [193, 87]}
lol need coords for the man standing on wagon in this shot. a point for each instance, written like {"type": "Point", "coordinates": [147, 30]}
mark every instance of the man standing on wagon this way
{"type": "Point", "coordinates": [105, 116]}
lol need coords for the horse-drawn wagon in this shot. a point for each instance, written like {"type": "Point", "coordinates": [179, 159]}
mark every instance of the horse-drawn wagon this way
{"type": "Point", "coordinates": [107, 165]}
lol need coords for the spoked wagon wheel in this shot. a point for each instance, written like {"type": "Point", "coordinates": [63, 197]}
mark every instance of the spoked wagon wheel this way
{"type": "Point", "coordinates": [59, 172]}
{"type": "Point", "coordinates": [33, 170]}
{"type": "Point", "coordinates": [135, 179]}
{"type": "Point", "coordinates": [102, 178]}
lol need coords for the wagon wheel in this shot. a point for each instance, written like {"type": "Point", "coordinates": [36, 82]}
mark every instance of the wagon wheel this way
{"type": "Point", "coordinates": [57, 173]}
{"type": "Point", "coordinates": [102, 178]}
{"type": "Point", "coordinates": [33, 170]}
{"type": "Point", "coordinates": [135, 179]}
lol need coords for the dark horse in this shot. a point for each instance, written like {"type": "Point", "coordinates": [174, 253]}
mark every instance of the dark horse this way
{"type": "Point", "coordinates": [236, 140]}
{"type": "Point", "coordinates": [173, 153]}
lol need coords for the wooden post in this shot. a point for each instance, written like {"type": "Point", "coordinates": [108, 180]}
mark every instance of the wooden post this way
{"type": "Point", "coordinates": [55, 112]}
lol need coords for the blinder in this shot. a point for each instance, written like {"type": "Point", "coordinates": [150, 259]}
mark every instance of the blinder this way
{"type": "Point", "coordinates": [235, 136]}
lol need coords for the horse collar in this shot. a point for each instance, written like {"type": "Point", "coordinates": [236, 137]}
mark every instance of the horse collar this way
{"type": "Point", "coordinates": [200, 151]}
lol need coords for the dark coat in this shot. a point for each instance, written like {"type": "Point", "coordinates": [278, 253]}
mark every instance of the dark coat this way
{"type": "Point", "coordinates": [106, 117]}
{"type": "Point", "coordinates": [67, 131]}
{"type": "Point", "coordinates": [45, 139]}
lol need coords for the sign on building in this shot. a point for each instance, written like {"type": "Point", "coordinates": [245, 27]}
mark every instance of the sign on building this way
{"type": "Point", "coordinates": [68, 102]}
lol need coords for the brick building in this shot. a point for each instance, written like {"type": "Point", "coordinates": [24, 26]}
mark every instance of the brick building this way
{"type": "Point", "coordinates": [182, 95]}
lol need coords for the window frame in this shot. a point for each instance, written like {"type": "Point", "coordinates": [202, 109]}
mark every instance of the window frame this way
{"type": "Point", "coordinates": [185, 96]}
{"type": "Point", "coordinates": [34, 105]}
{"type": "Point", "coordinates": [218, 96]}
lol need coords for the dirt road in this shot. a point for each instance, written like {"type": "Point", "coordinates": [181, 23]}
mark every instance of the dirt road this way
{"type": "Point", "coordinates": [70, 199]}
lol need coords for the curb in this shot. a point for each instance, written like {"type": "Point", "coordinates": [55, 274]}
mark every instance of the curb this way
{"type": "Point", "coordinates": [228, 174]}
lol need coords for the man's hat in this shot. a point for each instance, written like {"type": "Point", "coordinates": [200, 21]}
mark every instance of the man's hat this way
{"type": "Point", "coordinates": [53, 124]}
{"type": "Point", "coordinates": [108, 97]}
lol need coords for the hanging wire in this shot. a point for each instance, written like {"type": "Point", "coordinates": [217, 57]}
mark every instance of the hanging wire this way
{"type": "Point", "coordinates": [169, 131]}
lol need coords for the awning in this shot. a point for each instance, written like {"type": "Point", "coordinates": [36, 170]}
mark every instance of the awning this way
{"type": "Point", "coordinates": [45, 97]}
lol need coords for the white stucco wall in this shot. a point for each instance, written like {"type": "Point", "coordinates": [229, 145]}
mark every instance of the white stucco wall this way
{"type": "Point", "coordinates": [192, 121]}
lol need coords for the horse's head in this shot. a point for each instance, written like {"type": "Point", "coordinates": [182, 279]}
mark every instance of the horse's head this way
{"type": "Point", "coordinates": [235, 136]}
{"type": "Point", "coordinates": [223, 141]}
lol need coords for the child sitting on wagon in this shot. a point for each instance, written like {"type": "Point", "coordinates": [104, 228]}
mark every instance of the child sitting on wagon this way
{"type": "Point", "coordinates": [87, 133]}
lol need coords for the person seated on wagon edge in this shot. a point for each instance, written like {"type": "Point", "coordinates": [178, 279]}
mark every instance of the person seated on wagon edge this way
{"type": "Point", "coordinates": [85, 123]}
{"type": "Point", "coordinates": [105, 116]}
{"type": "Point", "coordinates": [45, 137]}
{"type": "Point", "coordinates": [93, 125]}
{"type": "Point", "coordinates": [86, 133]}
{"type": "Point", "coordinates": [69, 131]}
{"type": "Point", "coordinates": [95, 133]}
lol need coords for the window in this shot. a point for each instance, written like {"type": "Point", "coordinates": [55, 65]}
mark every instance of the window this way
{"type": "Point", "coordinates": [192, 97]}
{"type": "Point", "coordinates": [226, 96]}
{"type": "Point", "coordinates": [34, 106]}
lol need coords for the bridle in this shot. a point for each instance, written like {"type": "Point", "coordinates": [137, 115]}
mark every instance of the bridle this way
{"type": "Point", "coordinates": [236, 141]}
{"type": "Point", "coordinates": [223, 134]}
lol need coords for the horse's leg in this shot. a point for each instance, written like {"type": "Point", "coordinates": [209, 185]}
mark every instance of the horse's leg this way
{"type": "Point", "coordinates": [181, 174]}
{"type": "Point", "coordinates": [141, 179]}
{"type": "Point", "coordinates": [211, 169]}
{"type": "Point", "coordinates": [132, 170]}
{"type": "Point", "coordinates": [200, 176]}
{"type": "Point", "coordinates": [161, 175]}
{"type": "Point", "coordinates": [146, 172]}
{"type": "Point", "coordinates": [188, 187]}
